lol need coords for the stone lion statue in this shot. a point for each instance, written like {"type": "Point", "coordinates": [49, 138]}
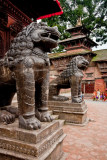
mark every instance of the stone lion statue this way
{"type": "Point", "coordinates": [71, 77]}
{"type": "Point", "coordinates": [25, 70]}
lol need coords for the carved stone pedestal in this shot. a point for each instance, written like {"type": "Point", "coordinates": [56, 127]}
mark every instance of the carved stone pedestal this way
{"type": "Point", "coordinates": [73, 113]}
{"type": "Point", "coordinates": [42, 144]}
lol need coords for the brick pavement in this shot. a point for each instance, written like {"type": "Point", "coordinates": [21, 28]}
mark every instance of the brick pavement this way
{"type": "Point", "coordinates": [88, 142]}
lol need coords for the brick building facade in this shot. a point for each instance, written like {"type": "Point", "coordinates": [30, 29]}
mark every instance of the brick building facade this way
{"type": "Point", "coordinates": [95, 77]}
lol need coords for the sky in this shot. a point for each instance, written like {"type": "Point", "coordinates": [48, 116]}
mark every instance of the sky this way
{"type": "Point", "coordinates": [104, 46]}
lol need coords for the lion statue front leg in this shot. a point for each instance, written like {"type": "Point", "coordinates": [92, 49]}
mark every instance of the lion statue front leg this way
{"type": "Point", "coordinates": [26, 97]}
{"type": "Point", "coordinates": [42, 98]}
{"type": "Point", "coordinates": [75, 89]}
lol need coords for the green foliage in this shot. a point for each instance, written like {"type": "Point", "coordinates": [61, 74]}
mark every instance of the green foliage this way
{"type": "Point", "coordinates": [59, 49]}
{"type": "Point", "coordinates": [92, 12]}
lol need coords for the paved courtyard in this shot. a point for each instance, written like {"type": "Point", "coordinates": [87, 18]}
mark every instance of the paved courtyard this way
{"type": "Point", "coordinates": [88, 142]}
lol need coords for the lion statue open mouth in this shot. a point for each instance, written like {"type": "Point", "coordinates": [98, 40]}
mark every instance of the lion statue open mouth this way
{"type": "Point", "coordinates": [71, 77]}
{"type": "Point", "coordinates": [25, 70]}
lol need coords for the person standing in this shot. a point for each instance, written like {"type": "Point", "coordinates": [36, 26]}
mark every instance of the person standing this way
{"type": "Point", "coordinates": [102, 96]}
{"type": "Point", "coordinates": [105, 95]}
{"type": "Point", "coordinates": [94, 95]}
{"type": "Point", "coordinates": [98, 94]}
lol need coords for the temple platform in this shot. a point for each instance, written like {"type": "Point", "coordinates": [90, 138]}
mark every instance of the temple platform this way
{"type": "Point", "coordinates": [43, 144]}
{"type": "Point", "coordinates": [72, 113]}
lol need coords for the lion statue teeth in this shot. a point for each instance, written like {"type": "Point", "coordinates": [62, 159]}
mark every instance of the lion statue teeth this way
{"type": "Point", "coordinates": [25, 70]}
{"type": "Point", "coordinates": [71, 77]}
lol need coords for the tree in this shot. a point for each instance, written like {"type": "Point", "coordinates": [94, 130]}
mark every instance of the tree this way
{"type": "Point", "coordinates": [92, 12]}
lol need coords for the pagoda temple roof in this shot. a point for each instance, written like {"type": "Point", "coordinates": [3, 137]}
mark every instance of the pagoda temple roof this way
{"type": "Point", "coordinates": [101, 55]}
{"type": "Point", "coordinates": [38, 9]}
{"type": "Point", "coordinates": [72, 38]}
{"type": "Point", "coordinates": [78, 37]}
{"type": "Point", "coordinates": [70, 53]}
{"type": "Point", "coordinates": [70, 30]}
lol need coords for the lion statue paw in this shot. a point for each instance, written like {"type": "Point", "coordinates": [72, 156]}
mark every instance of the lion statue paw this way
{"type": "Point", "coordinates": [6, 117]}
{"type": "Point", "coordinates": [30, 123]}
{"type": "Point", "coordinates": [77, 100]}
{"type": "Point", "coordinates": [60, 98]}
{"type": "Point", "coordinates": [44, 116]}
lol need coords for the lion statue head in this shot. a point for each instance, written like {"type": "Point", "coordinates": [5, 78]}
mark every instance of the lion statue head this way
{"type": "Point", "coordinates": [35, 35]}
{"type": "Point", "coordinates": [77, 63]}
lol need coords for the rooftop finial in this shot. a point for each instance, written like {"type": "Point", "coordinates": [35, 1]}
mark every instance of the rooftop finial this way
{"type": "Point", "coordinates": [79, 23]}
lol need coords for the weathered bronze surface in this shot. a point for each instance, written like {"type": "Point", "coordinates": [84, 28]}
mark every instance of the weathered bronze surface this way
{"type": "Point", "coordinates": [25, 70]}
{"type": "Point", "coordinates": [71, 77]}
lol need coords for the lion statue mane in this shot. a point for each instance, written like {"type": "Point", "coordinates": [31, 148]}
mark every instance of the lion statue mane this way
{"type": "Point", "coordinates": [25, 70]}
{"type": "Point", "coordinates": [71, 77]}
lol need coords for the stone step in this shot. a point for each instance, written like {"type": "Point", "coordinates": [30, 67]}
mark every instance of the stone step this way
{"type": "Point", "coordinates": [55, 117]}
{"type": "Point", "coordinates": [67, 107]}
{"type": "Point", "coordinates": [51, 112]}
{"type": "Point", "coordinates": [65, 104]}
{"type": "Point", "coordinates": [54, 152]}
{"type": "Point", "coordinates": [70, 110]}
{"type": "Point", "coordinates": [31, 143]}
{"type": "Point", "coordinates": [27, 148]}
{"type": "Point", "coordinates": [61, 122]}
{"type": "Point", "coordinates": [49, 140]}
{"type": "Point", "coordinates": [33, 136]}
{"type": "Point", "coordinates": [72, 113]}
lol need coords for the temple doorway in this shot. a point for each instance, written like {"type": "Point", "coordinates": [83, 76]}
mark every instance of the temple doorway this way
{"type": "Point", "coordinates": [88, 87]}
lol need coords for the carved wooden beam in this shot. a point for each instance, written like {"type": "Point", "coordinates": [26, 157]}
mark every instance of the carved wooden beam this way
{"type": "Point", "coordinates": [15, 12]}
{"type": "Point", "coordinates": [3, 18]}
{"type": "Point", "coordinates": [15, 28]}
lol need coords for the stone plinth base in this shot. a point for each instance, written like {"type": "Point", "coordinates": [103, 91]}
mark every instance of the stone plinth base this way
{"type": "Point", "coordinates": [74, 113]}
{"type": "Point", "coordinates": [42, 144]}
